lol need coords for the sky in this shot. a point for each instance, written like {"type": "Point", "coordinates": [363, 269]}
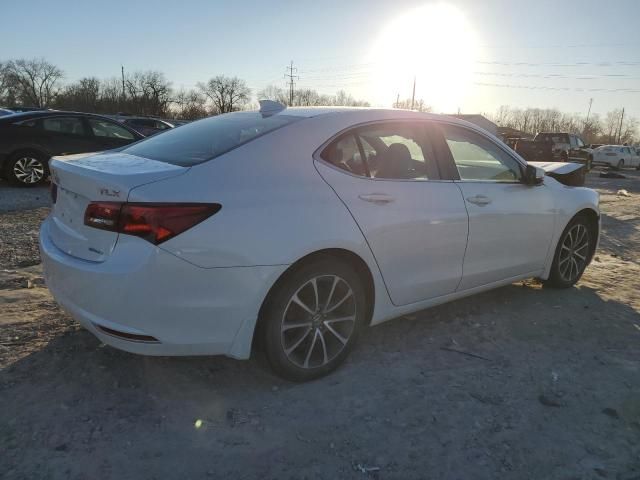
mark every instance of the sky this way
{"type": "Point", "coordinates": [467, 55]}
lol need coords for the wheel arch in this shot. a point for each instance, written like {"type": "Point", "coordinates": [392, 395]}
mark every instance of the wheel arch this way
{"type": "Point", "coordinates": [353, 259]}
{"type": "Point", "coordinates": [593, 218]}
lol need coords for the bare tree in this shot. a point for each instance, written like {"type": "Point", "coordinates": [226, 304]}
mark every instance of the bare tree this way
{"type": "Point", "coordinates": [419, 105]}
{"type": "Point", "coordinates": [189, 105]}
{"type": "Point", "coordinates": [227, 94]}
{"type": "Point", "coordinates": [148, 93]}
{"type": "Point", "coordinates": [273, 92]}
{"type": "Point", "coordinates": [35, 82]}
{"type": "Point", "coordinates": [82, 96]}
{"type": "Point", "coordinates": [611, 124]}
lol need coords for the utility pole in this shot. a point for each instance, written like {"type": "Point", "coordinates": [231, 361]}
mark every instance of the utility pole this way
{"type": "Point", "coordinates": [398, 101]}
{"type": "Point", "coordinates": [413, 95]}
{"type": "Point", "coordinates": [586, 122]}
{"type": "Point", "coordinates": [291, 70]}
{"type": "Point", "coordinates": [620, 128]}
{"type": "Point", "coordinates": [588, 111]}
{"type": "Point", "coordinates": [122, 70]}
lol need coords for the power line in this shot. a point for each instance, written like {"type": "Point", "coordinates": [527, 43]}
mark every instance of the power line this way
{"type": "Point", "coordinates": [555, 64]}
{"type": "Point", "coordinates": [564, 89]}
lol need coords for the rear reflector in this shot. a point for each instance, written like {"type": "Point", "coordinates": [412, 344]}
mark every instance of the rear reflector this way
{"type": "Point", "coordinates": [132, 337]}
{"type": "Point", "coordinates": [155, 222]}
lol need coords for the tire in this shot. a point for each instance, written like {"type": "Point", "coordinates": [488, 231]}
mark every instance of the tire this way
{"type": "Point", "coordinates": [27, 169]}
{"type": "Point", "coordinates": [620, 164]}
{"type": "Point", "coordinates": [304, 338]}
{"type": "Point", "coordinates": [573, 253]}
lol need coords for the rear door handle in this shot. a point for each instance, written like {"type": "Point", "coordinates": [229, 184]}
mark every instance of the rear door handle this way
{"type": "Point", "coordinates": [377, 198]}
{"type": "Point", "coordinates": [480, 200]}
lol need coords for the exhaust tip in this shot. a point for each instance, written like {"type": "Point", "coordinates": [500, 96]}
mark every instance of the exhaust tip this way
{"type": "Point", "coordinates": [131, 337]}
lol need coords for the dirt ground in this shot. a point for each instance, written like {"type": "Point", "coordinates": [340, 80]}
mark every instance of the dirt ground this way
{"type": "Point", "coordinates": [548, 386]}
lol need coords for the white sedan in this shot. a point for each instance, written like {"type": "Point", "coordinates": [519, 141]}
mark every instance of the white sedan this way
{"type": "Point", "coordinates": [297, 228]}
{"type": "Point", "coordinates": [616, 156]}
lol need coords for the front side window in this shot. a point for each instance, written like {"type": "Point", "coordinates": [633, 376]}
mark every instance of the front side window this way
{"type": "Point", "coordinates": [479, 159]}
{"type": "Point", "coordinates": [104, 128]}
{"type": "Point", "coordinates": [208, 138]}
{"type": "Point", "coordinates": [68, 125]}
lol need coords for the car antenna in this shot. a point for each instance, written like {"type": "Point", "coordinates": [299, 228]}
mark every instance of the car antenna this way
{"type": "Point", "coordinates": [270, 107]}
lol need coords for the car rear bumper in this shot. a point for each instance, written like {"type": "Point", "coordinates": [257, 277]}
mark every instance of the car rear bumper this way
{"type": "Point", "coordinates": [145, 300]}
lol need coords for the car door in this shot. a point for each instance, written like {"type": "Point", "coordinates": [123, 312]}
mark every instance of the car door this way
{"type": "Point", "coordinates": [66, 134]}
{"type": "Point", "coordinates": [108, 135]}
{"type": "Point", "coordinates": [415, 224]}
{"type": "Point", "coordinates": [510, 224]}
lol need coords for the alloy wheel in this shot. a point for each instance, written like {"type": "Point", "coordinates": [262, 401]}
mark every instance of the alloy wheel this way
{"type": "Point", "coordinates": [28, 170]}
{"type": "Point", "coordinates": [318, 321]}
{"type": "Point", "coordinates": [573, 253]}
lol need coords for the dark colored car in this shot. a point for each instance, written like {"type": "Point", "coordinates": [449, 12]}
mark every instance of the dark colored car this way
{"type": "Point", "coordinates": [567, 147]}
{"type": "Point", "coordinates": [28, 140]}
{"type": "Point", "coordinates": [145, 125]}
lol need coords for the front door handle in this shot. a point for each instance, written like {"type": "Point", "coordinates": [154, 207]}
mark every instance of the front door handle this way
{"type": "Point", "coordinates": [377, 198]}
{"type": "Point", "coordinates": [480, 200]}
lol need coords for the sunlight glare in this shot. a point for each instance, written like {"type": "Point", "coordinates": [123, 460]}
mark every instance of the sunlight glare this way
{"type": "Point", "coordinates": [434, 43]}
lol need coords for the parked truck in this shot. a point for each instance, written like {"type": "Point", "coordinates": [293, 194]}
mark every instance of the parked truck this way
{"type": "Point", "coordinates": [554, 147]}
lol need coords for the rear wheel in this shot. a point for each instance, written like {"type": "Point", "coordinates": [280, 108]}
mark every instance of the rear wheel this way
{"type": "Point", "coordinates": [312, 319]}
{"type": "Point", "coordinates": [573, 253]}
{"type": "Point", "coordinates": [26, 169]}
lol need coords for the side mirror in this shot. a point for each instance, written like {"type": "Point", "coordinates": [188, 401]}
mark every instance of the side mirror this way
{"type": "Point", "coordinates": [533, 175]}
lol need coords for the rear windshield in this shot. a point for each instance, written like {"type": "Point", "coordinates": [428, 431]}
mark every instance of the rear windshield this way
{"type": "Point", "coordinates": [205, 139]}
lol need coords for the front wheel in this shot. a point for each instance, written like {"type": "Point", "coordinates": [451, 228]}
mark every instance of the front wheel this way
{"type": "Point", "coordinates": [573, 253]}
{"type": "Point", "coordinates": [312, 319]}
{"type": "Point", "coordinates": [26, 169]}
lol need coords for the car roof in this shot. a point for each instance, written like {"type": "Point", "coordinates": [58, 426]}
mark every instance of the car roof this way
{"type": "Point", "coordinates": [48, 113]}
{"type": "Point", "coordinates": [309, 112]}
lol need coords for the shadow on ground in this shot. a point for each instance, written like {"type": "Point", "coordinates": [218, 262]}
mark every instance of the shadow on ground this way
{"type": "Point", "coordinates": [521, 382]}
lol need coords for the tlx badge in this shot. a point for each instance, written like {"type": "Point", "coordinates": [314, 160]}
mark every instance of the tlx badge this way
{"type": "Point", "coordinates": [109, 193]}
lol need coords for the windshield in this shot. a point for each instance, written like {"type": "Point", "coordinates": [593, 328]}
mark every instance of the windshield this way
{"type": "Point", "coordinates": [205, 139]}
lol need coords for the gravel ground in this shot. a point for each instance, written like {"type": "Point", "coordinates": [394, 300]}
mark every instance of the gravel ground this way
{"type": "Point", "coordinates": [19, 198]}
{"type": "Point", "coordinates": [520, 383]}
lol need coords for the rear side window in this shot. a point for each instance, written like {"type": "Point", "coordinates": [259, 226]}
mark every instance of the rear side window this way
{"type": "Point", "coordinates": [69, 125]}
{"type": "Point", "coordinates": [205, 139]}
{"type": "Point", "coordinates": [103, 128]}
{"type": "Point", "coordinates": [345, 154]}
{"type": "Point", "coordinates": [393, 151]}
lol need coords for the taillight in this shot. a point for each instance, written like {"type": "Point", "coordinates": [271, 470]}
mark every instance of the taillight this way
{"type": "Point", "coordinates": [155, 222]}
{"type": "Point", "coordinates": [54, 192]}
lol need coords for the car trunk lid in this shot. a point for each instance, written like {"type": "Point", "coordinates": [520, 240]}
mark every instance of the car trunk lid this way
{"type": "Point", "coordinates": [106, 177]}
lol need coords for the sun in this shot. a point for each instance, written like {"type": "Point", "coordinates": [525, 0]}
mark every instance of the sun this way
{"type": "Point", "coordinates": [433, 43]}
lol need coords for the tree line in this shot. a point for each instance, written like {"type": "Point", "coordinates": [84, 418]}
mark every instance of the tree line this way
{"type": "Point", "coordinates": [38, 83]}
{"type": "Point", "coordinates": [613, 128]}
